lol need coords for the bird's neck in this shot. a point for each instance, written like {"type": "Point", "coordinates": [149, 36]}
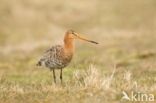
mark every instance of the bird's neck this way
{"type": "Point", "coordinates": [69, 45]}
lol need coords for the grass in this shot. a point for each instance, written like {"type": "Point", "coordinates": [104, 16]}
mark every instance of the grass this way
{"type": "Point", "coordinates": [123, 61]}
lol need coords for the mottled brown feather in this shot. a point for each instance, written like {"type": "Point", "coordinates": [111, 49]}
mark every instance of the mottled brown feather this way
{"type": "Point", "coordinates": [55, 58]}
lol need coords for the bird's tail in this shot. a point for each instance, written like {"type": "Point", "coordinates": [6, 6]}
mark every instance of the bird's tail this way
{"type": "Point", "coordinates": [39, 63]}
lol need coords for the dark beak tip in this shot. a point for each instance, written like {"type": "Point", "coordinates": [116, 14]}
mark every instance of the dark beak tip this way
{"type": "Point", "coordinates": [94, 42]}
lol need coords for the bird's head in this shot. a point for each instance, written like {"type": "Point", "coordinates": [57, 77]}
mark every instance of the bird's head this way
{"type": "Point", "coordinates": [70, 34]}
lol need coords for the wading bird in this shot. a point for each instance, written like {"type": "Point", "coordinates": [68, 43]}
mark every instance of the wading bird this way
{"type": "Point", "coordinates": [59, 56]}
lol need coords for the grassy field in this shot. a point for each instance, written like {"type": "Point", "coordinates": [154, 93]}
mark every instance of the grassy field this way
{"type": "Point", "coordinates": [125, 59]}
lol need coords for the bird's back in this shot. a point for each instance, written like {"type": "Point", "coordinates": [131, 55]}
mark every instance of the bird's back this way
{"type": "Point", "coordinates": [55, 58]}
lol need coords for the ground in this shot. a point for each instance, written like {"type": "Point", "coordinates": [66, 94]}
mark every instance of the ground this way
{"type": "Point", "coordinates": [123, 61]}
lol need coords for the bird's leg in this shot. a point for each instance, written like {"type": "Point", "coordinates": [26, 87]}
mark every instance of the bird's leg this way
{"type": "Point", "coordinates": [54, 76]}
{"type": "Point", "coordinates": [61, 76]}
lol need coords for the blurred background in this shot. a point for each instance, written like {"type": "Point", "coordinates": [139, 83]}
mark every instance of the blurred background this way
{"type": "Point", "coordinates": [34, 25]}
{"type": "Point", "coordinates": [31, 20]}
{"type": "Point", "coordinates": [125, 29]}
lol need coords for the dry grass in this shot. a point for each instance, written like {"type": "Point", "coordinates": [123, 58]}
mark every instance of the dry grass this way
{"type": "Point", "coordinates": [123, 61]}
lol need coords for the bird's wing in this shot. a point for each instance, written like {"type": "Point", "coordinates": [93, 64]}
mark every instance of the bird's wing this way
{"type": "Point", "coordinates": [52, 53]}
{"type": "Point", "coordinates": [50, 56]}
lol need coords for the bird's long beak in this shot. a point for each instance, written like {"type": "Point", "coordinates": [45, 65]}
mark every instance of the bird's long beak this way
{"type": "Point", "coordinates": [83, 38]}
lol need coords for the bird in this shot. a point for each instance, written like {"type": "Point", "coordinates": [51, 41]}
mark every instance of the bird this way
{"type": "Point", "coordinates": [59, 56]}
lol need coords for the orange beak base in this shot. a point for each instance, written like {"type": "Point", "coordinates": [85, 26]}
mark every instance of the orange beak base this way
{"type": "Point", "coordinates": [91, 41]}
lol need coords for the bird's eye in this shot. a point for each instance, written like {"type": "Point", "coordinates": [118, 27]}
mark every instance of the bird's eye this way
{"type": "Point", "coordinates": [73, 32]}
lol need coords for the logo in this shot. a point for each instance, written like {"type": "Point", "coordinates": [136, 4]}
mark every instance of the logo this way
{"type": "Point", "coordinates": [138, 97]}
